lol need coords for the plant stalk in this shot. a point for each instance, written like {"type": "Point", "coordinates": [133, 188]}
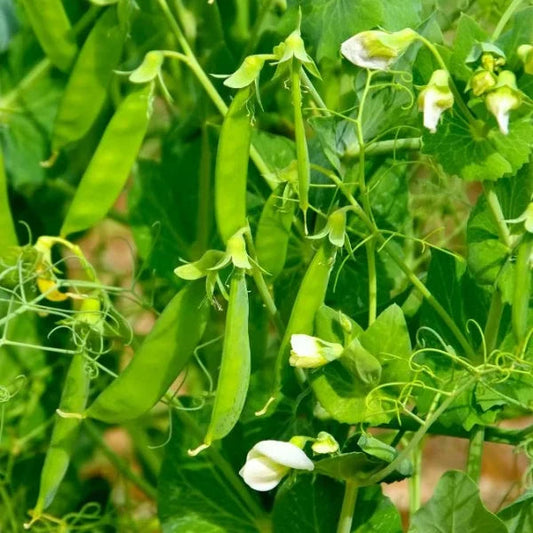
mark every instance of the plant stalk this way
{"type": "Point", "coordinates": [348, 507]}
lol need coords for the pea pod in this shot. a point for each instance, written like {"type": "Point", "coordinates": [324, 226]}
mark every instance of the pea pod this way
{"type": "Point", "coordinates": [232, 167]}
{"type": "Point", "coordinates": [53, 31]}
{"type": "Point", "coordinates": [234, 376]}
{"type": "Point", "coordinates": [111, 163]}
{"type": "Point", "coordinates": [64, 435]}
{"type": "Point", "coordinates": [302, 152]}
{"type": "Point", "coordinates": [522, 289]}
{"type": "Point", "coordinates": [310, 297]}
{"type": "Point", "coordinates": [162, 356]}
{"type": "Point", "coordinates": [273, 233]}
{"type": "Point", "coordinates": [86, 89]}
{"type": "Point", "coordinates": [8, 237]}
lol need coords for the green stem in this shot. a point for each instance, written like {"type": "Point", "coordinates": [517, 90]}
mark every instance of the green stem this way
{"type": "Point", "coordinates": [475, 453]}
{"type": "Point", "coordinates": [9, 508]}
{"type": "Point", "coordinates": [419, 434]}
{"type": "Point", "coordinates": [492, 327]}
{"type": "Point", "coordinates": [262, 286]}
{"type": "Point", "coordinates": [121, 465]}
{"type": "Point", "coordinates": [426, 293]}
{"type": "Point", "coordinates": [370, 245]}
{"type": "Point", "coordinates": [415, 481]}
{"type": "Point", "coordinates": [513, 6]}
{"type": "Point", "coordinates": [384, 147]}
{"type": "Point", "coordinates": [348, 507]}
{"type": "Point", "coordinates": [497, 214]}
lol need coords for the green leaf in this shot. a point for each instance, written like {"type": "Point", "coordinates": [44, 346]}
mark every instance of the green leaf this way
{"type": "Point", "coordinates": [484, 155]}
{"type": "Point", "coordinates": [359, 466]}
{"type": "Point", "coordinates": [375, 513]}
{"type": "Point", "coordinates": [193, 496]}
{"type": "Point", "coordinates": [307, 504]}
{"type": "Point", "coordinates": [489, 259]}
{"type": "Point", "coordinates": [388, 340]}
{"type": "Point", "coordinates": [468, 34]}
{"type": "Point", "coordinates": [518, 517]}
{"type": "Point", "coordinates": [521, 32]}
{"type": "Point", "coordinates": [455, 507]}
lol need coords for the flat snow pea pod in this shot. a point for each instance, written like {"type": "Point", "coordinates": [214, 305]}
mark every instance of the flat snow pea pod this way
{"type": "Point", "coordinates": [161, 357]}
{"type": "Point", "coordinates": [522, 289]}
{"type": "Point", "coordinates": [64, 435]}
{"type": "Point", "coordinates": [302, 152]}
{"type": "Point", "coordinates": [310, 297]}
{"type": "Point", "coordinates": [8, 237]}
{"type": "Point", "coordinates": [273, 233]}
{"type": "Point", "coordinates": [232, 167]}
{"type": "Point", "coordinates": [53, 31]}
{"type": "Point", "coordinates": [234, 376]}
{"type": "Point", "coordinates": [111, 163]}
{"type": "Point", "coordinates": [86, 89]}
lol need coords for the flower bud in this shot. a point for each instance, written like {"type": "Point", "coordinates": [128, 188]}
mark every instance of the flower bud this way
{"type": "Point", "coordinates": [481, 81]}
{"type": "Point", "coordinates": [325, 443]}
{"type": "Point", "coordinates": [503, 99]}
{"type": "Point", "coordinates": [149, 69]}
{"type": "Point", "coordinates": [312, 352]}
{"type": "Point", "coordinates": [525, 53]}
{"type": "Point", "coordinates": [434, 99]}
{"type": "Point", "coordinates": [335, 228]}
{"type": "Point", "coordinates": [376, 49]}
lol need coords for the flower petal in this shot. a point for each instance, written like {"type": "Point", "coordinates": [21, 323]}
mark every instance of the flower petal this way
{"type": "Point", "coordinates": [285, 454]}
{"type": "Point", "coordinates": [262, 474]}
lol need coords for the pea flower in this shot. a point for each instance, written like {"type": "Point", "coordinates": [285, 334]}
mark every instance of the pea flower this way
{"type": "Point", "coordinates": [325, 443]}
{"type": "Point", "coordinates": [312, 352]}
{"type": "Point", "coordinates": [503, 99]}
{"type": "Point", "coordinates": [377, 50]}
{"type": "Point", "coordinates": [149, 69]}
{"type": "Point", "coordinates": [335, 228]}
{"type": "Point", "coordinates": [434, 99]}
{"type": "Point", "coordinates": [270, 460]}
{"type": "Point", "coordinates": [481, 82]}
{"type": "Point", "coordinates": [525, 53]}
{"type": "Point", "coordinates": [293, 47]}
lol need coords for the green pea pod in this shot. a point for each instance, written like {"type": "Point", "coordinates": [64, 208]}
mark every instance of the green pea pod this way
{"type": "Point", "coordinates": [310, 297]}
{"type": "Point", "coordinates": [8, 237]}
{"type": "Point", "coordinates": [64, 435]}
{"type": "Point", "coordinates": [53, 31]}
{"type": "Point", "coordinates": [522, 289]}
{"type": "Point", "coordinates": [234, 376]}
{"type": "Point", "coordinates": [302, 152]}
{"type": "Point", "coordinates": [232, 167]}
{"type": "Point", "coordinates": [111, 163]}
{"type": "Point", "coordinates": [86, 89]}
{"type": "Point", "coordinates": [273, 233]}
{"type": "Point", "coordinates": [162, 356]}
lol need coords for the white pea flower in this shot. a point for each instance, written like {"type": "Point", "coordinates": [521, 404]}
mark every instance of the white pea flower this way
{"type": "Point", "coordinates": [503, 99]}
{"type": "Point", "coordinates": [377, 50]}
{"type": "Point", "coordinates": [312, 352]}
{"type": "Point", "coordinates": [269, 461]}
{"type": "Point", "coordinates": [434, 99]}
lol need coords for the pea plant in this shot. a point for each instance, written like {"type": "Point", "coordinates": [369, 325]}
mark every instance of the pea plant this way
{"type": "Point", "coordinates": [330, 211]}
